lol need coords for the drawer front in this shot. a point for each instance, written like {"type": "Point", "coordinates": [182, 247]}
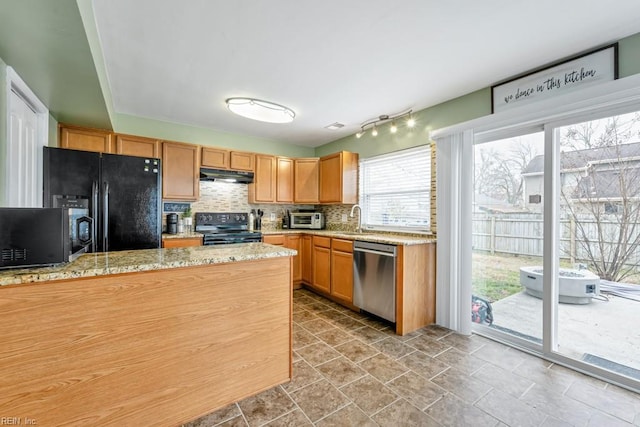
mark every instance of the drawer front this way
{"type": "Point", "coordinates": [324, 242]}
{"type": "Point", "coordinates": [342, 245]}
{"type": "Point", "coordinates": [277, 239]}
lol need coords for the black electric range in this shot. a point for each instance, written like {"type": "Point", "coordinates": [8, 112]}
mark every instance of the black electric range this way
{"type": "Point", "coordinates": [223, 228]}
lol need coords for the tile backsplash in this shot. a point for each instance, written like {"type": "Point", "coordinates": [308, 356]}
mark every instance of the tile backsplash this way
{"type": "Point", "coordinates": [228, 197]}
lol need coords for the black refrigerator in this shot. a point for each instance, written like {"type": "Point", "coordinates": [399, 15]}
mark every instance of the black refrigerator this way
{"type": "Point", "coordinates": [122, 194]}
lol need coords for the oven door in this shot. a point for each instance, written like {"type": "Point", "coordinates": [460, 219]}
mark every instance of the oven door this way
{"type": "Point", "coordinates": [230, 238]}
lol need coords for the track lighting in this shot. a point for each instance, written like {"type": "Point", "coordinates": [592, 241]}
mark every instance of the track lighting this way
{"type": "Point", "coordinates": [373, 123]}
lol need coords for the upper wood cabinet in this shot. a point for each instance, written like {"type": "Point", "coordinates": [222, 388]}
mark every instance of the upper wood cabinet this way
{"type": "Point", "coordinates": [220, 158]}
{"type": "Point", "coordinates": [339, 178]}
{"type": "Point", "coordinates": [180, 171]}
{"type": "Point", "coordinates": [306, 174]}
{"type": "Point", "coordinates": [215, 158]}
{"type": "Point", "coordinates": [85, 139]}
{"type": "Point", "coordinates": [242, 161]}
{"type": "Point", "coordinates": [263, 189]}
{"type": "Point", "coordinates": [138, 146]}
{"type": "Point", "coordinates": [284, 180]}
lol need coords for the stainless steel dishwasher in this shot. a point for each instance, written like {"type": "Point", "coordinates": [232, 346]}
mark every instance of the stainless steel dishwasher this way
{"type": "Point", "coordinates": [374, 278]}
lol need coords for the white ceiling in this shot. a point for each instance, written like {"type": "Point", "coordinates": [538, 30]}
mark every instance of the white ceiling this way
{"type": "Point", "coordinates": [333, 61]}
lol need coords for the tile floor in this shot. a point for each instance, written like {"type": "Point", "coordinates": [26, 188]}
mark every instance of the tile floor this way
{"type": "Point", "coordinates": [350, 370]}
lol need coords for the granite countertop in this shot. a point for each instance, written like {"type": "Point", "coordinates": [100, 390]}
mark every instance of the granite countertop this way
{"type": "Point", "coordinates": [389, 238]}
{"type": "Point", "coordinates": [104, 263]}
{"type": "Point", "coordinates": [190, 235]}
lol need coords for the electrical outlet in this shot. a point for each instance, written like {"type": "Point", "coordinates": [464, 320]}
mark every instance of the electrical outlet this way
{"type": "Point", "coordinates": [272, 216]}
{"type": "Point", "coordinates": [344, 217]}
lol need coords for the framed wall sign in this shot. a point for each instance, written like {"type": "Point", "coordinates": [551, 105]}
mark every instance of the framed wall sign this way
{"type": "Point", "coordinates": [588, 69]}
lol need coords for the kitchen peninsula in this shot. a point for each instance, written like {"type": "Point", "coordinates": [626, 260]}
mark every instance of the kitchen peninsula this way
{"type": "Point", "coordinates": [147, 337]}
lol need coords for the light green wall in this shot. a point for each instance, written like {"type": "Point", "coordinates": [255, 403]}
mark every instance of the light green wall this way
{"type": "Point", "coordinates": [458, 110]}
{"type": "Point", "coordinates": [629, 56]}
{"type": "Point", "coordinates": [123, 123]}
{"type": "Point", "coordinates": [53, 132]}
{"type": "Point", "coordinates": [467, 107]}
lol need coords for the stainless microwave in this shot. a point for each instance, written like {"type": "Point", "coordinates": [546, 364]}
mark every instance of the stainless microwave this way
{"type": "Point", "coordinates": [308, 220]}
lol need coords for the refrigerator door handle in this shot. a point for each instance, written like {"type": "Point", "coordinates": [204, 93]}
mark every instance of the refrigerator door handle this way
{"type": "Point", "coordinates": [105, 216]}
{"type": "Point", "coordinates": [94, 214]}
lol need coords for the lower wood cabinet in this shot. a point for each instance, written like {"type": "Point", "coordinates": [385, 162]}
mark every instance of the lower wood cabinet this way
{"type": "Point", "coordinates": [292, 241]}
{"type": "Point", "coordinates": [332, 267]}
{"type": "Point", "coordinates": [181, 242]}
{"type": "Point", "coordinates": [342, 269]}
{"type": "Point", "coordinates": [306, 254]}
{"type": "Point", "coordinates": [322, 264]}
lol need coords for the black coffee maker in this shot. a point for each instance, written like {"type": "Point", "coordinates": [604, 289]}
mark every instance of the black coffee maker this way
{"type": "Point", "coordinates": [172, 223]}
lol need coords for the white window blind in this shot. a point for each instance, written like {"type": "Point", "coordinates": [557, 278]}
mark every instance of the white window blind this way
{"type": "Point", "coordinates": [395, 190]}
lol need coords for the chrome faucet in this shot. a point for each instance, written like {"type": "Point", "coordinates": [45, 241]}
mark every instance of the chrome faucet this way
{"type": "Point", "coordinates": [359, 229]}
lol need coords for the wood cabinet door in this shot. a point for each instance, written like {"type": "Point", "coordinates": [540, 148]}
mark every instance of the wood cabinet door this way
{"type": "Point", "coordinates": [138, 146]}
{"type": "Point", "coordinates": [342, 269]}
{"type": "Point", "coordinates": [306, 180]}
{"type": "Point", "coordinates": [180, 171]}
{"type": "Point", "coordinates": [294, 242]}
{"type": "Point", "coordinates": [306, 251]}
{"type": "Point", "coordinates": [241, 161]}
{"type": "Point", "coordinates": [339, 178]}
{"type": "Point", "coordinates": [215, 158]}
{"type": "Point", "coordinates": [322, 268]}
{"type": "Point", "coordinates": [331, 179]}
{"type": "Point", "coordinates": [284, 180]}
{"type": "Point", "coordinates": [182, 242]}
{"type": "Point", "coordinates": [85, 139]}
{"type": "Point", "coordinates": [263, 188]}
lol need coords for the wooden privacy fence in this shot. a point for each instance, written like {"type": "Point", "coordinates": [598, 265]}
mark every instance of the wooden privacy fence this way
{"type": "Point", "coordinates": [523, 235]}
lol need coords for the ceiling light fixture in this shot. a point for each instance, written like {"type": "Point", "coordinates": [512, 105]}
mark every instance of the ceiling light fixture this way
{"type": "Point", "coordinates": [373, 123]}
{"type": "Point", "coordinates": [260, 110]}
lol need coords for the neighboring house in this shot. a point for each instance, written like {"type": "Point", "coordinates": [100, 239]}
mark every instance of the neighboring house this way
{"type": "Point", "coordinates": [605, 175]}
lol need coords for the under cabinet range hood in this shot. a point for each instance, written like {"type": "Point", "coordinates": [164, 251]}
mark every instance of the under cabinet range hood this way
{"type": "Point", "coordinates": [221, 175]}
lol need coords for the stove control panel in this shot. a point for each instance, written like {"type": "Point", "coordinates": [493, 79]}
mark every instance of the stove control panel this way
{"type": "Point", "coordinates": [221, 218]}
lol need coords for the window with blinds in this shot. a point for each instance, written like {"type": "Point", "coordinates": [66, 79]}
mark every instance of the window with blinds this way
{"type": "Point", "coordinates": [395, 190]}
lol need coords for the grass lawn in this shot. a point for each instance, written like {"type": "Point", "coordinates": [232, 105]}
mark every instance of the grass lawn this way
{"type": "Point", "coordinates": [495, 277]}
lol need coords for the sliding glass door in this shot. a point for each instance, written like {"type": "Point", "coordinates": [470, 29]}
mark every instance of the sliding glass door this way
{"type": "Point", "coordinates": [599, 253]}
{"type": "Point", "coordinates": [556, 241]}
{"type": "Point", "coordinates": [508, 235]}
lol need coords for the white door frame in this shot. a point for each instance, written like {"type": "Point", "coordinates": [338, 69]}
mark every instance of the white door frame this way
{"type": "Point", "coordinates": [15, 84]}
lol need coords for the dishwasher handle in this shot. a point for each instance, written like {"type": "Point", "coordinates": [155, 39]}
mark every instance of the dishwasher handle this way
{"type": "Point", "coordinates": [371, 251]}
